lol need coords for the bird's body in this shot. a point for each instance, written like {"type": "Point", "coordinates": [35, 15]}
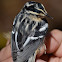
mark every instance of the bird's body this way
{"type": "Point", "coordinates": [29, 30]}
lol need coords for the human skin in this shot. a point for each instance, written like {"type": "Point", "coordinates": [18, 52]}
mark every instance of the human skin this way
{"type": "Point", "coordinates": [53, 43]}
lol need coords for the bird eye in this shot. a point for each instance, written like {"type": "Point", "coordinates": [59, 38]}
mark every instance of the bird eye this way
{"type": "Point", "coordinates": [32, 6]}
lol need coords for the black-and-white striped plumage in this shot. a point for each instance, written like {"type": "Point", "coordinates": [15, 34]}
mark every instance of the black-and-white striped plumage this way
{"type": "Point", "coordinates": [29, 30]}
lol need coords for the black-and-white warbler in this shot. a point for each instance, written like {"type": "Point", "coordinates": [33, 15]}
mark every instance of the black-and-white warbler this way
{"type": "Point", "coordinates": [29, 29]}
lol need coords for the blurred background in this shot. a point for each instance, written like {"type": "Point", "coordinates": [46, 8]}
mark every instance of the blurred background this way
{"type": "Point", "coordinates": [10, 8]}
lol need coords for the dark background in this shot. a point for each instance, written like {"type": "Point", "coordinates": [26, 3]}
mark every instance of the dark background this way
{"type": "Point", "coordinates": [10, 8]}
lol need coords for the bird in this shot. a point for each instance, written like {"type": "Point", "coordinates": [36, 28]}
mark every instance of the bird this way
{"type": "Point", "coordinates": [28, 33]}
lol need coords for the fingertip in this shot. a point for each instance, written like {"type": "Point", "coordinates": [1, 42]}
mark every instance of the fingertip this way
{"type": "Point", "coordinates": [8, 42]}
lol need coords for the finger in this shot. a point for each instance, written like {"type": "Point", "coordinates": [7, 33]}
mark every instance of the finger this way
{"type": "Point", "coordinates": [54, 59]}
{"type": "Point", "coordinates": [8, 60]}
{"type": "Point", "coordinates": [42, 50]}
{"type": "Point", "coordinates": [59, 51]}
{"type": "Point", "coordinates": [60, 59]}
{"type": "Point", "coordinates": [39, 60]}
{"type": "Point", "coordinates": [53, 41]}
{"type": "Point", "coordinates": [57, 34]}
{"type": "Point", "coordinates": [5, 53]}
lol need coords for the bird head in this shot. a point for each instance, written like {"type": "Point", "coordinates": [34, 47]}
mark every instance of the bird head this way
{"type": "Point", "coordinates": [35, 8]}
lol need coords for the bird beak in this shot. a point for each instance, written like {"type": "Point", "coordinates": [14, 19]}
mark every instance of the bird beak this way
{"type": "Point", "coordinates": [49, 16]}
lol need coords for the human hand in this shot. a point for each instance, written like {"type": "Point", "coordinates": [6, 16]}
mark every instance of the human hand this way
{"type": "Point", "coordinates": [54, 49]}
{"type": "Point", "coordinates": [53, 43]}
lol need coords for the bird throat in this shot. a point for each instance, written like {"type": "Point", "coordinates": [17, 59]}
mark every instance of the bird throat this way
{"type": "Point", "coordinates": [36, 18]}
